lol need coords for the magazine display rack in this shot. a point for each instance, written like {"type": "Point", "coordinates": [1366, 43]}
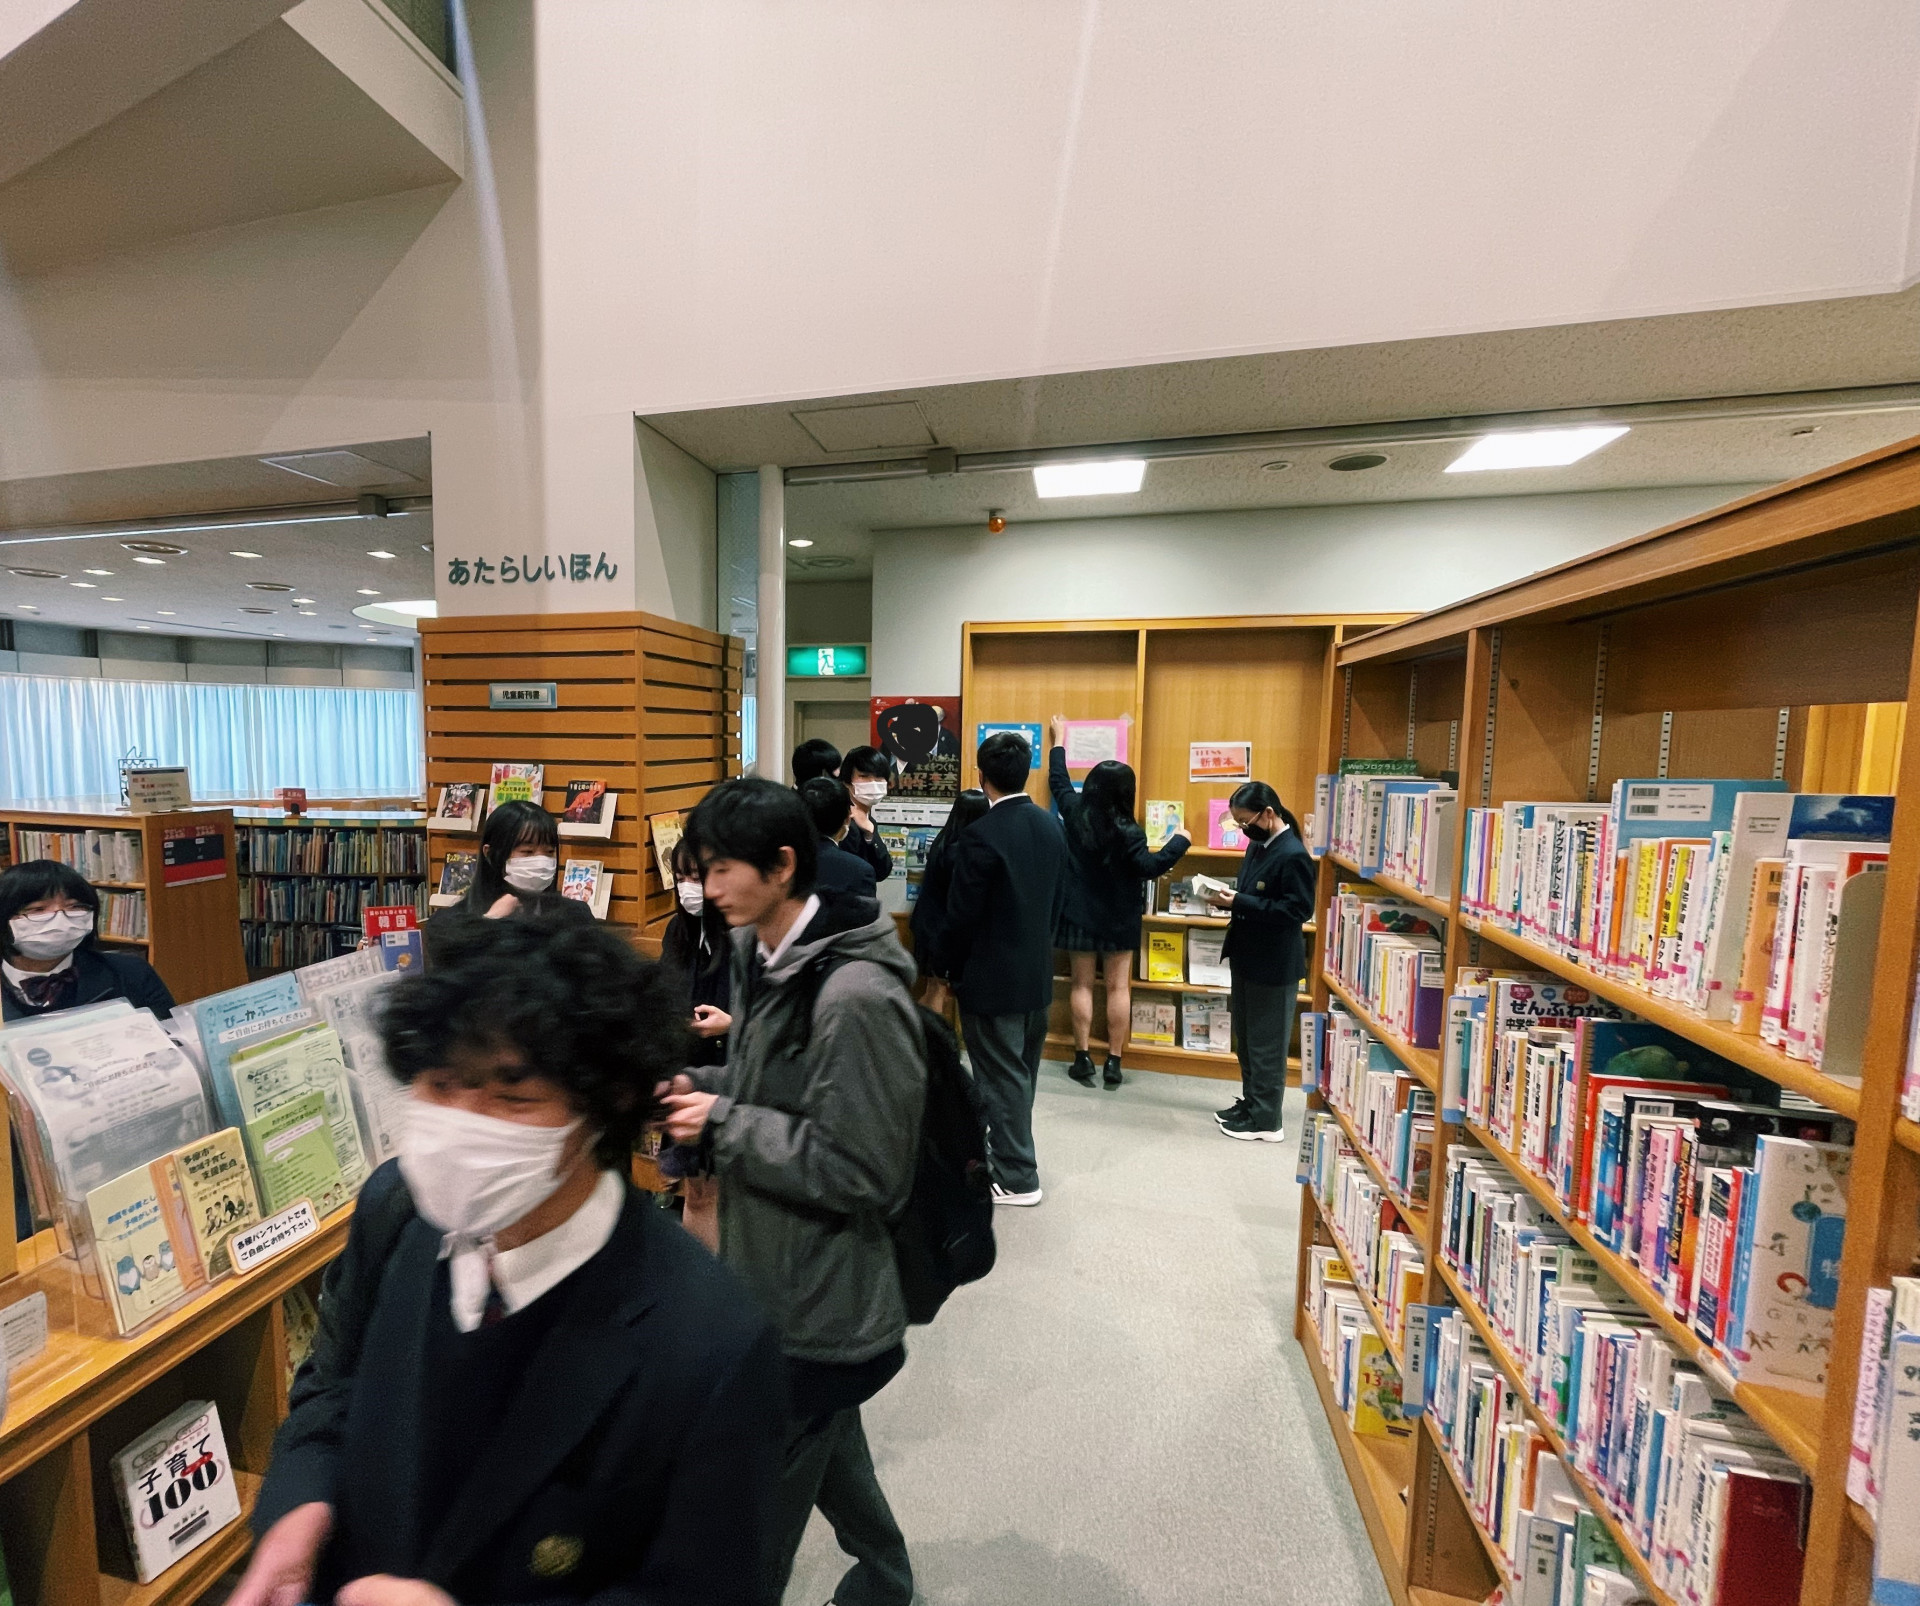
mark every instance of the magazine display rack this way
{"type": "Point", "coordinates": [1263, 680]}
{"type": "Point", "coordinates": [1773, 638]}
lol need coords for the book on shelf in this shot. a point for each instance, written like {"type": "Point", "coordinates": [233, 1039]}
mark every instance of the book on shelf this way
{"type": "Point", "coordinates": [1207, 965]}
{"type": "Point", "coordinates": [1166, 819]}
{"type": "Point", "coordinates": [587, 881]}
{"type": "Point", "coordinates": [215, 1193]}
{"type": "Point", "coordinates": [1391, 1112]}
{"type": "Point", "coordinates": [1222, 831]}
{"type": "Point", "coordinates": [1206, 1023]}
{"type": "Point", "coordinates": [99, 855]}
{"type": "Point", "coordinates": [176, 1487]}
{"type": "Point", "coordinates": [286, 1069]}
{"type": "Point", "coordinates": [588, 811]}
{"type": "Point", "coordinates": [1356, 804]}
{"type": "Point", "coordinates": [664, 831]}
{"type": "Point", "coordinates": [394, 931]}
{"type": "Point", "coordinates": [134, 1245]}
{"type": "Point", "coordinates": [1183, 897]}
{"type": "Point", "coordinates": [1376, 1411]}
{"type": "Point", "coordinates": [459, 807]}
{"type": "Point", "coordinates": [302, 1319]}
{"type": "Point", "coordinates": [294, 1157]}
{"type": "Point", "coordinates": [457, 872]}
{"type": "Point", "coordinates": [350, 1002]}
{"type": "Point", "coordinates": [516, 783]}
{"type": "Point", "coordinates": [1164, 957]}
{"type": "Point", "coordinates": [1154, 1022]}
{"type": "Point", "coordinates": [1389, 953]}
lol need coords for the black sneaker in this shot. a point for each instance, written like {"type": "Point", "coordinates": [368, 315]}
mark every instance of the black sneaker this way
{"type": "Point", "coordinates": [1240, 1127]}
{"type": "Point", "coordinates": [1232, 1112]}
{"type": "Point", "coordinates": [1081, 1070]}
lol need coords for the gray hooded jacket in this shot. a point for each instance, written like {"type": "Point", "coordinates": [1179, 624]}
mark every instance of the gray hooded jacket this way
{"type": "Point", "coordinates": [815, 1151]}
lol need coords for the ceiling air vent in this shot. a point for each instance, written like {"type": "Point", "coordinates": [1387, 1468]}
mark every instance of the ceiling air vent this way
{"type": "Point", "coordinates": [267, 585]}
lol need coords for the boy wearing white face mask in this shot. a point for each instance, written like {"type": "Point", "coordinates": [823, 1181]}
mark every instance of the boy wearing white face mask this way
{"type": "Point", "coordinates": [865, 773]}
{"type": "Point", "coordinates": [528, 1383]}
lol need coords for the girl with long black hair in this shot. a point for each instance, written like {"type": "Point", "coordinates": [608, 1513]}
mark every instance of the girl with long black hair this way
{"type": "Point", "coordinates": [930, 908]}
{"type": "Point", "coordinates": [518, 867]}
{"type": "Point", "coordinates": [1268, 956]}
{"type": "Point", "coordinates": [1108, 867]}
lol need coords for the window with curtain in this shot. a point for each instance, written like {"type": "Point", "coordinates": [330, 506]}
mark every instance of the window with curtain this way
{"type": "Point", "coordinates": [62, 738]}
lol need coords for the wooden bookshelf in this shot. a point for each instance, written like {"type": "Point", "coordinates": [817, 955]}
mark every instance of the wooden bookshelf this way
{"type": "Point", "coordinates": [193, 930]}
{"type": "Point", "coordinates": [399, 875]}
{"type": "Point", "coordinates": [1774, 637]}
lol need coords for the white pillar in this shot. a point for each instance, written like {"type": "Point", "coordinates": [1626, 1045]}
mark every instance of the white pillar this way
{"type": "Point", "coordinates": [771, 649]}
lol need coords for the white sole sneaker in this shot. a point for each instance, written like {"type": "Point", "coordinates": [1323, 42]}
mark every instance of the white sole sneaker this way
{"type": "Point", "coordinates": [1279, 1135]}
{"type": "Point", "coordinates": [1002, 1197]}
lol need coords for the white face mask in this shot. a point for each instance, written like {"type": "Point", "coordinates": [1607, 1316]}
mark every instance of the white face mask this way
{"type": "Point", "coordinates": [869, 792]}
{"type": "Point", "coordinates": [52, 935]}
{"type": "Point", "coordinates": [531, 872]}
{"type": "Point", "coordinates": [475, 1175]}
{"type": "Point", "coordinates": [693, 896]}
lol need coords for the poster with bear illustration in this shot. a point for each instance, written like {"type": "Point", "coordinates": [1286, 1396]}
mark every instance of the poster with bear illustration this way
{"type": "Point", "coordinates": [921, 738]}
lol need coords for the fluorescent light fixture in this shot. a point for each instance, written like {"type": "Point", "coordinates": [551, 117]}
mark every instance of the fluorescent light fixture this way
{"type": "Point", "coordinates": [113, 599]}
{"type": "Point", "coordinates": [377, 553]}
{"type": "Point", "coordinates": [364, 592]}
{"type": "Point", "coordinates": [97, 571]}
{"type": "Point", "coordinates": [169, 612]}
{"type": "Point", "coordinates": [83, 585]}
{"type": "Point", "coordinates": [303, 602]}
{"type": "Point", "coordinates": [243, 554]}
{"type": "Point", "coordinates": [1534, 448]}
{"type": "Point", "coordinates": [800, 541]}
{"type": "Point", "coordinates": [161, 561]}
{"type": "Point", "coordinates": [1114, 476]}
{"type": "Point", "coordinates": [143, 627]}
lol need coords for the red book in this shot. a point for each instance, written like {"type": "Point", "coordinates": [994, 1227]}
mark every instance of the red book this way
{"type": "Point", "coordinates": [1760, 1553]}
{"type": "Point", "coordinates": [394, 929]}
{"type": "Point", "coordinates": [381, 919]}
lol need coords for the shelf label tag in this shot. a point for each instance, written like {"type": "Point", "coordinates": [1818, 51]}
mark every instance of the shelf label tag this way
{"type": "Point", "coordinates": [273, 1237]}
{"type": "Point", "coordinates": [530, 694]}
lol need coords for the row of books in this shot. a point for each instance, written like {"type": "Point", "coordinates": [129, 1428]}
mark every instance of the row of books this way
{"type": "Point", "coordinates": [97, 855]}
{"type": "Point", "coordinates": [1736, 899]}
{"type": "Point", "coordinates": [1388, 819]}
{"type": "Point", "coordinates": [586, 881]}
{"type": "Point", "coordinates": [123, 914]}
{"type": "Point", "coordinates": [282, 947]}
{"type": "Point", "coordinates": [1185, 954]}
{"type": "Point", "coordinates": [1366, 1383]}
{"type": "Point", "coordinates": [1199, 1022]}
{"type": "Point", "coordinates": [1384, 1256]}
{"type": "Point", "coordinates": [1349, 807]}
{"type": "Point", "coordinates": [588, 810]}
{"type": "Point", "coordinates": [1389, 954]}
{"type": "Point", "coordinates": [326, 900]}
{"type": "Point", "coordinates": [1390, 1111]}
{"type": "Point", "coordinates": [330, 850]}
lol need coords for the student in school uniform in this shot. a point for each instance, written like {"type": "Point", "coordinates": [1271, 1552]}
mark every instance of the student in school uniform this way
{"type": "Point", "coordinates": [815, 756]}
{"type": "Point", "coordinates": [50, 951]}
{"type": "Point", "coordinates": [528, 1384]}
{"type": "Point", "coordinates": [831, 809]}
{"type": "Point", "coordinates": [1109, 867]}
{"type": "Point", "coordinates": [929, 921]}
{"type": "Point", "coordinates": [517, 870]}
{"type": "Point", "coordinates": [697, 952]}
{"type": "Point", "coordinates": [865, 772]}
{"type": "Point", "coordinates": [1268, 955]}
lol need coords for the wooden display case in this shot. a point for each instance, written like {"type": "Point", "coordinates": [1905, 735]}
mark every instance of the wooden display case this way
{"type": "Point", "coordinates": [1264, 680]}
{"type": "Point", "coordinates": [1773, 638]}
{"type": "Point", "coordinates": [399, 875]}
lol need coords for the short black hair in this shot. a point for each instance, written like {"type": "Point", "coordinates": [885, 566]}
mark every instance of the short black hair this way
{"type": "Point", "coordinates": [573, 999]}
{"type": "Point", "coordinates": [815, 756]}
{"type": "Point", "coordinates": [1006, 760]}
{"type": "Point", "coordinates": [828, 802]}
{"type": "Point", "coordinates": [867, 761]}
{"type": "Point", "coordinates": [25, 884]}
{"type": "Point", "coordinates": [751, 820]}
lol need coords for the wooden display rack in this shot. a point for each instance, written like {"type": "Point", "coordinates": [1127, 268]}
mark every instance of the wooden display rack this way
{"type": "Point", "coordinates": [647, 705]}
{"type": "Point", "coordinates": [193, 931]}
{"type": "Point", "coordinates": [406, 818]}
{"type": "Point", "coordinates": [1773, 637]}
{"type": "Point", "coordinates": [1263, 679]}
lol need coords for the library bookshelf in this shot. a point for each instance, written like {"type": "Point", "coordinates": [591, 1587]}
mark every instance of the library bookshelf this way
{"type": "Point", "coordinates": [647, 705]}
{"type": "Point", "coordinates": [1260, 679]}
{"type": "Point", "coordinates": [192, 927]}
{"type": "Point", "coordinates": [1772, 638]}
{"type": "Point", "coordinates": [306, 879]}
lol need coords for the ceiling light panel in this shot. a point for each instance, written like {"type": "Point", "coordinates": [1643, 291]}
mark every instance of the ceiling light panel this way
{"type": "Point", "coordinates": [1534, 448]}
{"type": "Point", "coordinates": [1117, 476]}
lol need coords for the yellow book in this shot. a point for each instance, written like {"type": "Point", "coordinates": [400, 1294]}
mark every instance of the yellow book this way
{"type": "Point", "coordinates": [1645, 875]}
{"type": "Point", "coordinates": [216, 1190]}
{"type": "Point", "coordinates": [1167, 956]}
{"type": "Point", "coordinates": [1154, 1022]}
{"type": "Point", "coordinates": [1377, 1412]}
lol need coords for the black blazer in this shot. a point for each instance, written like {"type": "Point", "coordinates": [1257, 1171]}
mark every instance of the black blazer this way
{"type": "Point", "coordinates": [635, 1465]}
{"type": "Point", "coordinates": [1273, 900]}
{"type": "Point", "coordinates": [841, 871]}
{"type": "Point", "coordinates": [1107, 896]}
{"type": "Point", "coordinates": [1009, 883]}
{"type": "Point", "coordinates": [104, 975]}
{"type": "Point", "coordinates": [867, 847]}
{"type": "Point", "coordinates": [929, 921]}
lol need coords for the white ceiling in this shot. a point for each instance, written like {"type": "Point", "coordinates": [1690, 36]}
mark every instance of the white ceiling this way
{"type": "Point", "coordinates": [206, 591]}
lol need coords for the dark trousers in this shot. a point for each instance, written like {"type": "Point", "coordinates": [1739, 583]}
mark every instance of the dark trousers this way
{"type": "Point", "coordinates": [1005, 1051]}
{"type": "Point", "coordinates": [829, 1465]}
{"type": "Point", "coordinates": [1262, 1033]}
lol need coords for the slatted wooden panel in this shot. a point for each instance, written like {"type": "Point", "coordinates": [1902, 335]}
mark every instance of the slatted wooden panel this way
{"type": "Point", "coordinates": [648, 705]}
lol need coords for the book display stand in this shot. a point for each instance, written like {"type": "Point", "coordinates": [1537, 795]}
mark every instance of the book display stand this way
{"type": "Point", "coordinates": [1176, 682]}
{"type": "Point", "coordinates": [1767, 640]}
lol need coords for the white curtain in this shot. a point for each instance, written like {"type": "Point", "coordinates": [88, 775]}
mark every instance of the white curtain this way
{"type": "Point", "coordinates": [62, 738]}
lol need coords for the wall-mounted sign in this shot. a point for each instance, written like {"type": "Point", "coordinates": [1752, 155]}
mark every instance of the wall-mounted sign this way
{"type": "Point", "coordinates": [816, 662]}
{"type": "Point", "coordinates": [523, 694]}
{"type": "Point", "coordinates": [191, 853]}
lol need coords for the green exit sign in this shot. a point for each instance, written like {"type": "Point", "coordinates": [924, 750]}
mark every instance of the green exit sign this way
{"type": "Point", "coordinates": [819, 661]}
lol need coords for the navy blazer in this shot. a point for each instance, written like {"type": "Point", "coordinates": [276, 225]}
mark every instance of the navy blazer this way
{"type": "Point", "coordinates": [841, 871]}
{"type": "Point", "coordinates": [1009, 885]}
{"type": "Point", "coordinates": [104, 975]}
{"type": "Point", "coordinates": [635, 1466]}
{"type": "Point", "coordinates": [1272, 900]}
{"type": "Point", "coordinates": [867, 847]}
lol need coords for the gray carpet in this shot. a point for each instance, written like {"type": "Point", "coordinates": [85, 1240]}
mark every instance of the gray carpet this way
{"type": "Point", "coordinates": [1119, 1415]}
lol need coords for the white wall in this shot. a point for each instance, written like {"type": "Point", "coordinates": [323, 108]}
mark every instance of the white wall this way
{"type": "Point", "coordinates": [1382, 558]}
{"type": "Point", "coordinates": [676, 507]}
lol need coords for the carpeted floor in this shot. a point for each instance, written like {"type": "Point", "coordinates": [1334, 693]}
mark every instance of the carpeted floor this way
{"type": "Point", "coordinates": [1119, 1414]}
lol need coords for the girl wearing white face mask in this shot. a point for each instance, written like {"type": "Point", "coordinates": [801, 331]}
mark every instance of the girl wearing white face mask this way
{"type": "Point", "coordinates": [49, 956]}
{"type": "Point", "coordinates": [695, 949]}
{"type": "Point", "coordinates": [866, 772]}
{"type": "Point", "coordinates": [516, 1338]}
{"type": "Point", "coordinates": [518, 869]}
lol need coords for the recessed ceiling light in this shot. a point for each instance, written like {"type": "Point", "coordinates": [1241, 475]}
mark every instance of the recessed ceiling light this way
{"type": "Point", "coordinates": [366, 593]}
{"type": "Point", "coordinates": [1357, 462]}
{"type": "Point", "coordinates": [308, 613]}
{"type": "Point", "coordinates": [1278, 465]}
{"type": "Point", "coordinates": [149, 560]}
{"type": "Point", "coordinates": [256, 610]}
{"type": "Point", "coordinates": [304, 602]}
{"type": "Point", "coordinates": [1534, 448]}
{"type": "Point", "coordinates": [83, 585]}
{"type": "Point", "coordinates": [168, 612]}
{"type": "Point", "coordinates": [377, 553]}
{"type": "Point", "coordinates": [800, 541]}
{"type": "Point", "coordinates": [97, 571]}
{"type": "Point", "coordinates": [281, 634]}
{"type": "Point", "coordinates": [165, 549]}
{"type": "Point", "coordinates": [1114, 476]}
{"type": "Point", "coordinates": [28, 607]}
{"type": "Point", "coordinates": [243, 554]}
{"type": "Point", "coordinates": [143, 627]}
{"type": "Point", "coordinates": [38, 574]}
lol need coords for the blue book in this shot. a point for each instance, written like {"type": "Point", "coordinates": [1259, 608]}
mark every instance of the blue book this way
{"type": "Point", "coordinates": [1649, 806]}
{"type": "Point", "coordinates": [238, 1006]}
{"type": "Point", "coordinates": [1743, 1260]}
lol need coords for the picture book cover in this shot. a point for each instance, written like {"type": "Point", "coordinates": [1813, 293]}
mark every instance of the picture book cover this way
{"type": "Point", "coordinates": [920, 737]}
{"type": "Point", "coordinates": [1222, 832]}
{"type": "Point", "coordinates": [1377, 1410]}
{"type": "Point", "coordinates": [1799, 1222]}
{"type": "Point", "coordinates": [456, 878]}
{"type": "Point", "coordinates": [216, 1191]}
{"type": "Point", "coordinates": [176, 1487]}
{"type": "Point", "coordinates": [1154, 1022]}
{"type": "Point", "coordinates": [134, 1249]}
{"type": "Point", "coordinates": [458, 807]}
{"type": "Point", "coordinates": [1166, 819]}
{"type": "Point", "coordinates": [589, 810]}
{"type": "Point", "coordinates": [1166, 956]}
{"type": "Point", "coordinates": [665, 830]}
{"type": "Point", "coordinates": [292, 1147]}
{"type": "Point", "coordinates": [516, 783]}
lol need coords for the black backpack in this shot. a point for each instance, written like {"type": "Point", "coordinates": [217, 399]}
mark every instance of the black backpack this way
{"type": "Point", "coordinates": [944, 1235]}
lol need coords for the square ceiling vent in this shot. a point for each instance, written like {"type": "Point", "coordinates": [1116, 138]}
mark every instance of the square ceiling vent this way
{"type": "Point", "coordinates": [348, 470]}
{"type": "Point", "coordinates": [876, 427]}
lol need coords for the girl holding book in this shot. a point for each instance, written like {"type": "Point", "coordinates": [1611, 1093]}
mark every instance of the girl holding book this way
{"type": "Point", "coordinates": [1108, 867]}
